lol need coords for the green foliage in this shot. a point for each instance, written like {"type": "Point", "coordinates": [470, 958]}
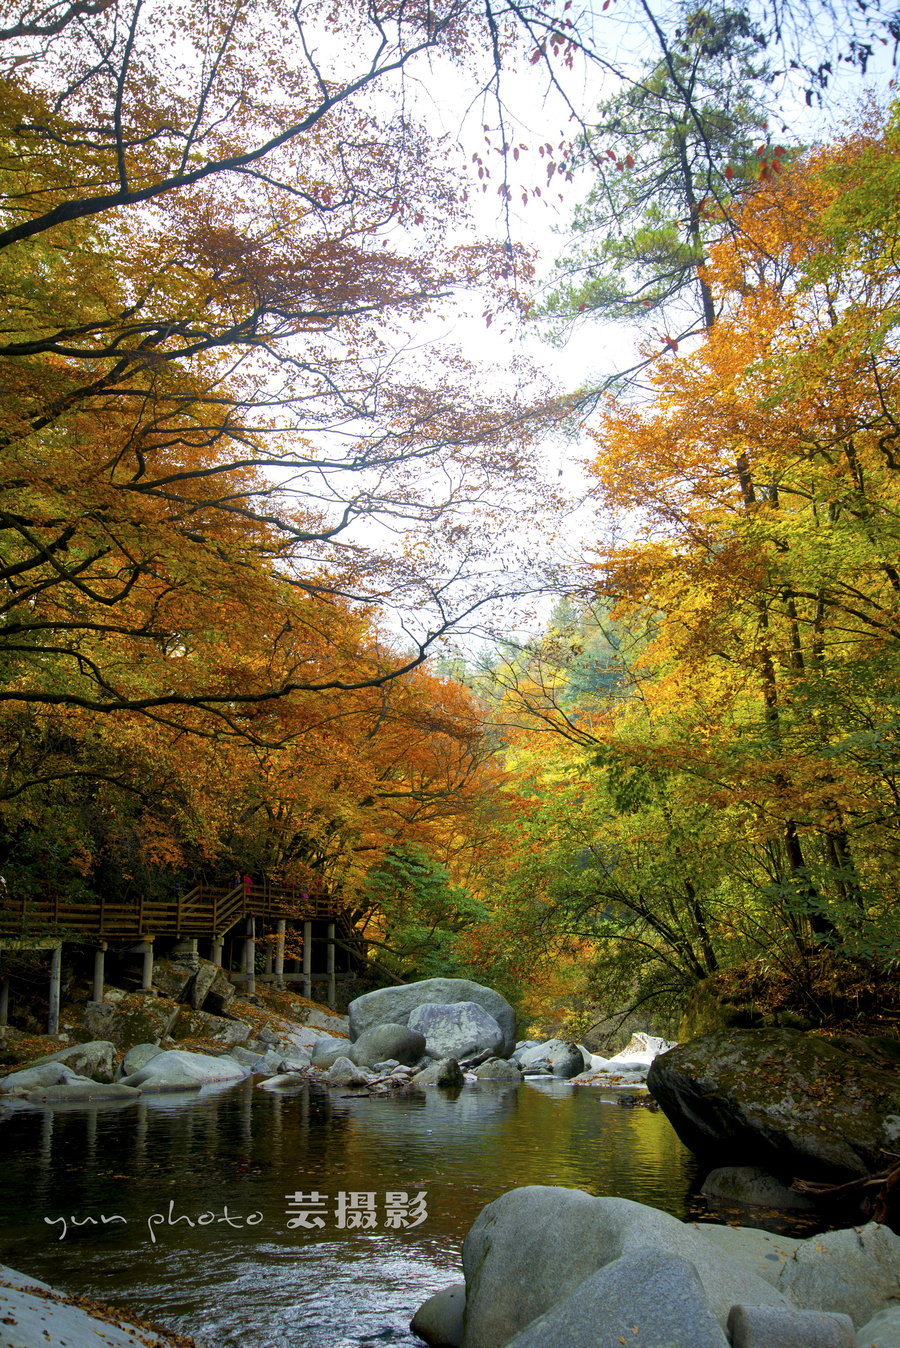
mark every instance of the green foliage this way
{"type": "Point", "coordinates": [419, 914]}
{"type": "Point", "coordinates": [671, 154]}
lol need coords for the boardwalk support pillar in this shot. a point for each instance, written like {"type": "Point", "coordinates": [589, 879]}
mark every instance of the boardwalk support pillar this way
{"type": "Point", "coordinates": [332, 989]}
{"type": "Point", "coordinates": [147, 969]}
{"type": "Point", "coordinates": [55, 980]}
{"type": "Point", "coordinates": [215, 950]}
{"type": "Point", "coordinates": [279, 951]}
{"type": "Point", "coordinates": [99, 963]}
{"type": "Point", "coordinates": [307, 960]}
{"type": "Point", "coordinates": [250, 957]}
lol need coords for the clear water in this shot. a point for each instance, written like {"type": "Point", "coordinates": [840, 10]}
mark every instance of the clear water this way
{"type": "Point", "coordinates": [259, 1283]}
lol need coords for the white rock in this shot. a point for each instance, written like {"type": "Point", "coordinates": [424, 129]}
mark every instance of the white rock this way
{"type": "Point", "coordinates": [177, 1069]}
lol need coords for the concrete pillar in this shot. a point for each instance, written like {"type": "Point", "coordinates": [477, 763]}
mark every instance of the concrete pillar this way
{"type": "Point", "coordinates": [147, 971]}
{"type": "Point", "coordinates": [250, 957]}
{"type": "Point", "coordinates": [55, 978]}
{"type": "Point", "coordinates": [185, 949]}
{"type": "Point", "coordinates": [307, 959]}
{"type": "Point", "coordinates": [329, 969]}
{"type": "Point", "coordinates": [4, 1002]}
{"type": "Point", "coordinates": [215, 952]}
{"type": "Point", "coordinates": [268, 969]}
{"type": "Point", "coordinates": [99, 962]}
{"type": "Point", "coordinates": [279, 951]}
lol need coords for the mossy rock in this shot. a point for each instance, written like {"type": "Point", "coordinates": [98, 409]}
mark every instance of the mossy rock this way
{"type": "Point", "coordinates": [713, 1005]}
{"type": "Point", "coordinates": [797, 1104]}
{"type": "Point", "coordinates": [132, 1019]}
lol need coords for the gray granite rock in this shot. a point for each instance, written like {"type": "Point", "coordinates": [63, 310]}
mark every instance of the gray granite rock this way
{"type": "Point", "coordinates": [768, 1326]}
{"type": "Point", "coordinates": [445, 1072]}
{"type": "Point", "coordinates": [297, 1061]}
{"type": "Point", "coordinates": [327, 1051]}
{"type": "Point", "coordinates": [344, 1072]}
{"type": "Point", "coordinates": [387, 1041]}
{"type": "Point", "coordinates": [456, 1030]}
{"type": "Point", "coordinates": [645, 1298]}
{"type": "Point", "coordinates": [396, 1004]}
{"type": "Point", "coordinates": [138, 1057]}
{"type": "Point", "coordinates": [285, 1081]}
{"type": "Point", "coordinates": [559, 1057]}
{"type": "Point", "coordinates": [95, 1059]}
{"type": "Point", "coordinates": [82, 1088]}
{"type": "Point", "coordinates": [202, 983]}
{"type": "Point", "coordinates": [854, 1272]}
{"type": "Point", "coordinates": [533, 1246]}
{"type": "Point", "coordinates": [752, 1187]}
{"type": "Point", "coordinates": [497, 1069]}
{"type": "Point", "coordinates": [882, 1331]}
{"type": "Point", "coordinates": [178, 1070]}
{"type": "Point", "coordinates": [37, 1078]}
{"type": "Point", "coordinates": [220, 993]}
{"type": "Point", "coordinates": [439, 1320]}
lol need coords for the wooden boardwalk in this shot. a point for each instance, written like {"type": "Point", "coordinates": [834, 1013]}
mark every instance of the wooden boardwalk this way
{"type": "Point", "coordinates": [206, 910]}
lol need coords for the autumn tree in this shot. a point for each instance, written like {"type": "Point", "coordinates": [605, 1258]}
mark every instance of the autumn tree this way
{"type": "Point", "coordinates": [730, 795]}
{"type": "Point", "coordinates": [764, 474]}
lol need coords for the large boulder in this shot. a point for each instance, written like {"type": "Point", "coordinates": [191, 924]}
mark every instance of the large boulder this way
{"type": "Point", "coordinates": [791, 1102]}
{"type": "Point", "coordinates": [646, 1298]}
{"type": "Point", "coordinates": [532, 1247]}
{"type": "Point", "coordinates": [326, 1051]}
{"type": "Point", "coordinates": [177, 1070]}
{"type": "Point", "coordinates": [380, 1042]}
{"type": "Point", "coordinates": [854, 1272]}
{"type": "Point", "coordinates": [220, 992]}
{"type": "Point", "coordinates": [37, 1078]}
{"type": "Point", "coordinates": [127, 1018]}
{"type": "Point", "coordinates": [172, 977]}
{"type": "Point", "coordinates": [458, 1030]}
{"type": "Point", "coordinates": [95, 1059]}
{"type": "Point", "coordinates": [397, 1004]}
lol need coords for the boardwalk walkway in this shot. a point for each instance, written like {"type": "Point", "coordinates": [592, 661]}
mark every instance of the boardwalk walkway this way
{"type": "Point", "coordinates": [206, 910]}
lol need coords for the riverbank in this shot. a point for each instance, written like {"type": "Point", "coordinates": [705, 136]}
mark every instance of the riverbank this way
{"type": "Point", "coordinates": [33, 1313]}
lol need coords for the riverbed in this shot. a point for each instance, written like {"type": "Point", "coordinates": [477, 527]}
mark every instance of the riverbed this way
{"type": "Point", "coordinates": [321, 1219]}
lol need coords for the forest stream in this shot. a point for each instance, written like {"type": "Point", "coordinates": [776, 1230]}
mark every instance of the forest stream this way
{"type": "Point", "coordinates": [196, 1192]}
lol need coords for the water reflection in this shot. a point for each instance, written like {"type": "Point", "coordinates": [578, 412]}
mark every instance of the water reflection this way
{"type": "Point", "coordinates": [189, 1174]}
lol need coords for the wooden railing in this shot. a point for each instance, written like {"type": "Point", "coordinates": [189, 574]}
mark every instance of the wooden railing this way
{"type": "Point", "coordinates": [205, 910]}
